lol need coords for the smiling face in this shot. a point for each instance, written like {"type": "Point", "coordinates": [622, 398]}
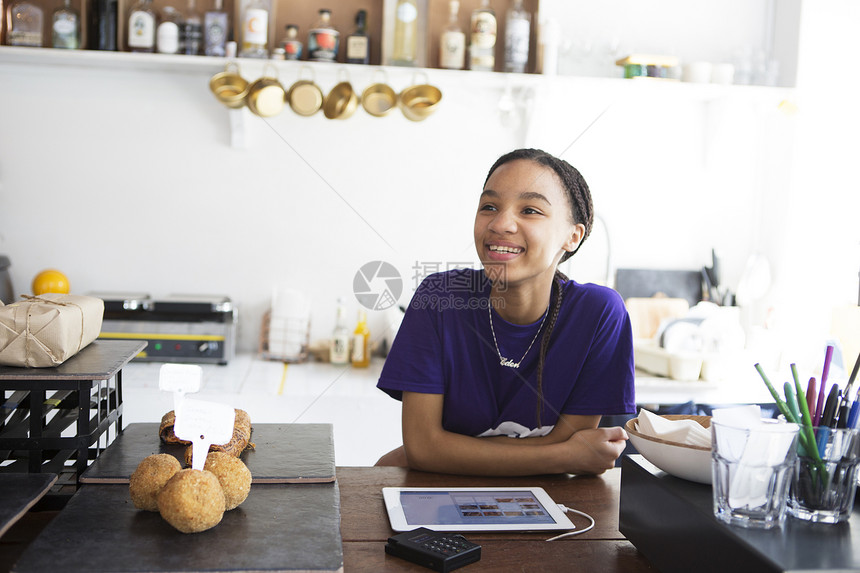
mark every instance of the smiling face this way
{"type": "Point", "coordinates": [524, 224]}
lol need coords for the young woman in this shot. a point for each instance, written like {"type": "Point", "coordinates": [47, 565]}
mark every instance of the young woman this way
{"type": "Point", "coordinates": [507, 370]}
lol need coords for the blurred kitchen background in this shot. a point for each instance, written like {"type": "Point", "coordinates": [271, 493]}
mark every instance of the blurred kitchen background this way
{"type": "Point", "coordinates": [124, 172]}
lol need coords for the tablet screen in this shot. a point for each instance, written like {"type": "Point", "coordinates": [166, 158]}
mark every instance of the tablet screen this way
{"type": "Point", "coordinates": [474, 509]}
{"type": "Point", "coordinates": [466, 507]}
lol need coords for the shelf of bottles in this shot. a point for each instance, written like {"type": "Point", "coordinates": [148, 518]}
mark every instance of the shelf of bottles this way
{"type": "Point", "coordinates": [485, 35]}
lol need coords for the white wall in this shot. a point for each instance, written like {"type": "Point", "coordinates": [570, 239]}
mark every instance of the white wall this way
{"type": "Point", "coordinates": [593, 35]}
{"type": "Point", "coordinates": [819, 235]}
{"type": "Point", "coordinates": [125, 179]}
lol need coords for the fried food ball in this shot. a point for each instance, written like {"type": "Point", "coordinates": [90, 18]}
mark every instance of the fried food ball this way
{"type": "Point", "coordinates": [234, 475]}
{"type": "Point", "coordinates": [148, 479]}
{"type": "Point", "coordinates": [192, 501]}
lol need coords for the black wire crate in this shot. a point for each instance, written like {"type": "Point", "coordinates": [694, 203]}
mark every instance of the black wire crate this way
{"type": "Point", "coordinates": [44, 430]}
{"type": "Point", "coordinates": [58, 420]}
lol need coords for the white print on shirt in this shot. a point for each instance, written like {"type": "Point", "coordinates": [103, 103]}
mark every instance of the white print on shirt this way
{"type": "Point", "coordinates": [515, 430]}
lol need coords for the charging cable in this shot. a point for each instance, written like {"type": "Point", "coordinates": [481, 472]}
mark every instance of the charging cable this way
{"type": "Point", "coordinates": [566, 509]}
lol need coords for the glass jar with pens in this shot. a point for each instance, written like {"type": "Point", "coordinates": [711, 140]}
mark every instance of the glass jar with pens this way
{"type": "Point", "coordinates": [822, 487]}
{"type": "Point", "coordinates": [825, 477]}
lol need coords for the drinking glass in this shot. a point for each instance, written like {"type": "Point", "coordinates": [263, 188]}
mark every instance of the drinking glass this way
{"type": "Point", "coordinates": [822, 488]}
{"type": "Point", "coordinates": [751, 470]}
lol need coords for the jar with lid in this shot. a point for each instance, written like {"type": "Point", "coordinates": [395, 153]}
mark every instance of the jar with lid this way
{"type": "Point", "coordinates": [323, 39]}
{"type": "Point", "coordinates": [168, 31]}
{"type": "Point", "coordinates": [291, 44]}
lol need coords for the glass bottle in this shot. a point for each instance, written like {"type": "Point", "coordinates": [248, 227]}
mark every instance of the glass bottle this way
{"type": "Point", "coordinates": [24, 24]}
{"type": "Point", "coordinates": [191, 36]}
{"type": "Point", "coordinates": [339, 350]}
{"type": "Point", "coordinates": [405, 51]}
{"type": "Point", "coordinates": [358, 43]}
{"type": "Point", "coordinates": [291, 44]}
{"type": "Point", "coordinates": [452, 43]}
{"type": "Point", "coordinates": [102, 31]}
{"type": "Point", "coordinates": [168, 31]}
{"type": "Point", "coordinates": [66, 27]}
{"type": "Point", "coordinates": [517, 29]}
{"type": "Point", "coordinates": [141, 27]}
{"type": "Point", "coordinates": [255, 30]}
{"type": "Point", "coordinates": [216, 24]}
{"type": "Point", "coordinates": [361, 342]}
{"type": "Point", "coordinates": [482, 43]}
{"type": "Point", "coordinates": [323, 39]}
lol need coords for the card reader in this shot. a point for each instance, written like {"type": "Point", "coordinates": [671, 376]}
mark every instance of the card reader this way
{"type": "Point", "coordinates": [439, 551]}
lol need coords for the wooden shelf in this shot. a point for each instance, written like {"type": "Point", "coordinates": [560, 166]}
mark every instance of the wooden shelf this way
{"type": "Point", "coordinates": [305, 16]}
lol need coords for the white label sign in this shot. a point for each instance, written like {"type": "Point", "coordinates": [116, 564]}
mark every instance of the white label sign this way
{"type": "Point", "coordinates": [180, 379]}
{"type": "Point", "coordinates": [203, 424]}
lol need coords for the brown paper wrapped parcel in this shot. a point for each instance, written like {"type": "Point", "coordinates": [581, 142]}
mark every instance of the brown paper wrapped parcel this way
{"type": "Point", "coordinates": [49, 329]}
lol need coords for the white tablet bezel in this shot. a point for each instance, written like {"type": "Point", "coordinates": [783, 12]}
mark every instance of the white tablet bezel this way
{"type": "Point", "coordinates": [397, 517]}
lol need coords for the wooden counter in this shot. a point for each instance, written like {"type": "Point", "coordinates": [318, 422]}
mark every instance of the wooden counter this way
{"type": "Point", "coordinates": [365, 527]}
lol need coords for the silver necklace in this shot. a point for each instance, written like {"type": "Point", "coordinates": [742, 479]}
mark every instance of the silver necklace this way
{"type": "Point", "coordinates": [507, 361]}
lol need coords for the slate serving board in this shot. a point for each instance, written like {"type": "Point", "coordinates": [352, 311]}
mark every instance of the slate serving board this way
{"type": "Point", "coordinates": [18, 493]}
{"type": "Point", "coordinates": [279, 527]}
{"type": "Point", "coordinates": [284, 453]}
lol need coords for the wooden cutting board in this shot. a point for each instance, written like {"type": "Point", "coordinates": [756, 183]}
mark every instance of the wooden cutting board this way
{"type": "Point", "coordinates": [284, 453]}
{"type": "Point", "coordinates": [646, 314]}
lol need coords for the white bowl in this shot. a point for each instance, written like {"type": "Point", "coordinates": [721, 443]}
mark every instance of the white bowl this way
{"type": "Point", "coordinates": [680, 460]}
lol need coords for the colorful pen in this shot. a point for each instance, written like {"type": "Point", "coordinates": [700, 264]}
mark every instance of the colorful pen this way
{"type": "Point", "coordinates": [855, 410]}
{"type": "Point", "coordinates": [810, 394]}
{"type": "Point", "coordinates": [828, 356]}
{"type": "Point", "coordinates": [783, 407]}
{"type": "Point", "coordinates": [828, 417]}
{"type": "Point", "coordinates": [807, 436]}
{"type": "Point", "coordinates": [844, 413]}
{"type": "Point", "coordinates": [852, 415]}
{"type": "Point", "coordinates": [791, 401]}
{"type": "Point", "coordinates": [854, 373]}
{"type": "Point", "coordinates": [845, 405]}
{"type": "Point", "coordinates": [819, 406]}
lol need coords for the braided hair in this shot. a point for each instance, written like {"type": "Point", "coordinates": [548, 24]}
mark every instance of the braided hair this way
{"type": "Point", "coordinates": [581, 211]}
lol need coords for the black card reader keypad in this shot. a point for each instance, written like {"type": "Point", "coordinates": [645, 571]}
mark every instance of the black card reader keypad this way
{"type": "Point", "coordinates": [436, 550]}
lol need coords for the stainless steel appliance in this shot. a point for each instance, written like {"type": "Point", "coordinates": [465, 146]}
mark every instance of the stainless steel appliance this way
{"type": "Point", "coordinates": [179, 328]}
{"type": "Point", "coordinates": [7, 296]}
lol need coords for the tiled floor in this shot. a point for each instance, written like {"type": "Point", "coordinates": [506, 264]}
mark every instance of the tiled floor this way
{"type": "Point", "coordinates": [366, 421]}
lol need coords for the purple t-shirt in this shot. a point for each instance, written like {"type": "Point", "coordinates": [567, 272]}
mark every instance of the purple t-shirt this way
{"type": "Point", "coordinates": [445, 346]}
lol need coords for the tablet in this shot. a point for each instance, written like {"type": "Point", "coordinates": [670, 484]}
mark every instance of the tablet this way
{"type": "Point", "coordinates": [473, 509]}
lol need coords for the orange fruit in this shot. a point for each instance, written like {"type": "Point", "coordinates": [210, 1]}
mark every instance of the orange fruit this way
{"type": "Point", "coordinates": [50, 280]}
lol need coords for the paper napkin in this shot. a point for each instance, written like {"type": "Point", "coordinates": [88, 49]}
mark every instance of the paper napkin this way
{"type": "Point", "coordinates": [683, 431]}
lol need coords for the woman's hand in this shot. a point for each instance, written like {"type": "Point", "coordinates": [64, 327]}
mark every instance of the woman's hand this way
{"type": "Point", "coordinates": [593, 451]}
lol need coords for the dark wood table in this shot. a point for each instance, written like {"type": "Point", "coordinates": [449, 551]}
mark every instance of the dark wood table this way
{"type": "Point", "coordinates": [365, 527]}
